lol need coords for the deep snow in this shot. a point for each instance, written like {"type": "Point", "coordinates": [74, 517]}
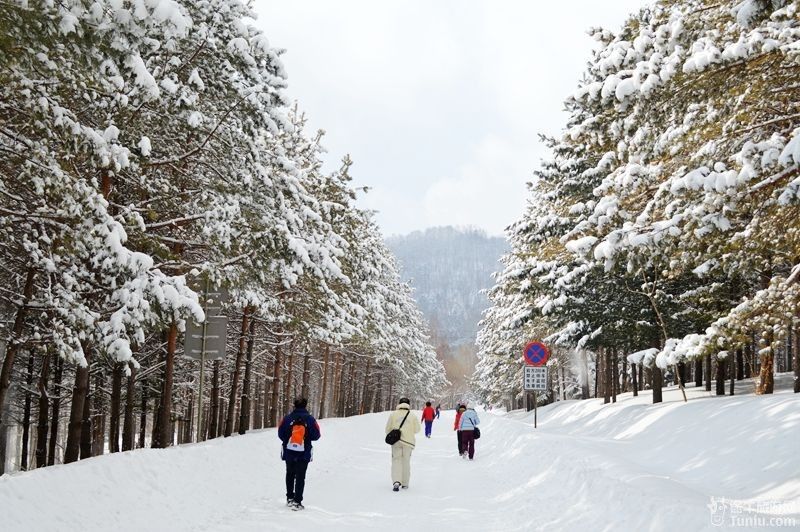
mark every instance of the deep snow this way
{"type": "Point", "coordinates": [625, 466]}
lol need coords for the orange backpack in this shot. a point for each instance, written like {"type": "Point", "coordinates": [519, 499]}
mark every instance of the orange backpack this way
{"type": "Point", "coordinates": [297, 439]}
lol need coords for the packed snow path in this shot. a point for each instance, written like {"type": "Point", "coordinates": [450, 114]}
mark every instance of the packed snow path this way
{"type": "Point", "coordinates": [628, 466]}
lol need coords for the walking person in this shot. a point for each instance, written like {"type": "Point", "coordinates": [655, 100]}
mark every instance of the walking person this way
{"type": "Point", "coordinates": [427, 416]}
{"type": "Point", "coordinates": [468, 424]}
{"type": "Point", "coordinates": [296, 431]}
{"type": "Point", "coordinates": [438, 410]}
{"type": "Point", "coordinates": [456, 427]}
{"type": "Point", "coordinates": [408, 426]}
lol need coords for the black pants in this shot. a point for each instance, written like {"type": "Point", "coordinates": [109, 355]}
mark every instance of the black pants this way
{"type": "Point", "coordinates": [460, 443]}
{"type": "Point", "coordinates": [295, 479]}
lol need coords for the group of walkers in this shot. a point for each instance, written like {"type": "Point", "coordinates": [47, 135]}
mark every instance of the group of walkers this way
{"type": "Point", "coordinates": [466, 427]}
{"type": "Point", "coordinates": [299, 429]}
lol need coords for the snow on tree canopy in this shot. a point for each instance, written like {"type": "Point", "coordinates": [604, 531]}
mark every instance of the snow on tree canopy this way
{"type": "Point", "coordinates": [666, 212]}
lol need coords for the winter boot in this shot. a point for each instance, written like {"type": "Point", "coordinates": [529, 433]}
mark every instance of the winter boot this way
{"type": "Point", "coordinates": [396, 486]}
{"type": "Point", "coordinates": [298, 506]}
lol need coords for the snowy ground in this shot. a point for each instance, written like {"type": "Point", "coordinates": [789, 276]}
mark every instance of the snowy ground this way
{"type": "Point", "coordinates": [628, 466]}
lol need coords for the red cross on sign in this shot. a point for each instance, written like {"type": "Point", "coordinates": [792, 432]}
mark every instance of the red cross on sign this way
{"type": "Point", "coordinates": [536, 354]}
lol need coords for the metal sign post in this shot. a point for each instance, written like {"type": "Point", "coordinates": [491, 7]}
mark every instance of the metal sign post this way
{"type": "Point", "coordinates": [535, 375]}
{"type": "Point", "coordinates": [206, 341]}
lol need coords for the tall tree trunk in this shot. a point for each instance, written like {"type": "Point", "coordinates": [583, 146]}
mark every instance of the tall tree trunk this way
{"type": "Point", "coordinates": [306, 375]}
{"type": "Point", "coordinates": [766, 377]}
{"type": "Point", "coordinates": [739, 364]}
{"type": "Point", "coordinates": [14, 344]}
{"type": "Point", "coordinates": [324, 391]}
{"type": "Point", "coordinates": [641, 377]}
{"type": "Point", "coordinates": [86, 423]}
{"type": "Point", "coordinates": [188, 421]}
{"type": "Point", "coordinates": [116, 400]}
{"type": "Point", "coordinates": [658, 383]}
{"type": "Point", "coordinates": [732, 372]}
{"type": "Point", "coordinates": [44, 403]}
{"type": "Point", "coordinates": [585, 383]}
{"type": "Point", "coordinates": [349, 389]}
{"type": "Point", "coordinates": [682, 373]}
{"type": "Point", "coordinates": [708, 373]}
{"type": "Point", "coordinates": [244, 411]}
{"type": "Point", "coordinates": [213, 427]}
{"type": "Point", "coordinates": [657, 375]}
{"type": "Point", "coordinates": [605, 380]}
{"type": "Point", "coordinates": [267, 395]}
{"type": "Point", "coordinates": [171, 429]}
{"type": "Point", "coordinates": [143, 415]}
{"type": "Point", "coordinates": [26, 414]}
{"type": "Point", "coordinates": [163, 437]}
{"type": "Point", "coordinates": [221, 416]}
{"type": "Point", "coordinates": [98, 416]}
{"type": "Point", "coordinates": [56, 412]}
{"type": "Point", "coordinates": [155, 432]}
{"type": "Point", "coordinates": [720, 377]}
{"type": "Point", "coordinates": [230, 419]}
{"type": "Point", "coordinates": [340, 408]}
{"type": "Point", "coordinates": [4, 430]}
{"type": "Point", "coordinates": [625, 373]}
{"type": "Point", "coordinates": [597, 369]}
{"type": "Point", "coordinates": [353, 383]}
{"type": "Point", "coordinates": [258, 408]}
{"type": "Point", "coordinates": [287, 389]}
{"type": "Point", "coordinates": [377, 404]}
{"type": "Point", "coordinates": [335, 384]}
{"type": "Point", "coordinates": [127, 424]}
{"type": "Point", "coordinates": [614, 376]}
{"type": "Point", "coordinates": [80, 394]}
{"type": "Point", "coordinates": [635, 381]}
{"type": "Point", "coordinates": [364, 390]}
{"type": "Point", "coordinates": [275, 384]}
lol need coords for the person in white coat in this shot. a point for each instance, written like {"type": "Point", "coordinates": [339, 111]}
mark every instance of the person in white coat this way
{"type": "Point", "coordinates": [401, 451]}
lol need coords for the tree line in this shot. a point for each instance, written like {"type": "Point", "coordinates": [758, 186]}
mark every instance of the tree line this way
{"type": "Point", "coordinates": [660, 238]}
{"type": "Point", "coordinates": [148, 150]}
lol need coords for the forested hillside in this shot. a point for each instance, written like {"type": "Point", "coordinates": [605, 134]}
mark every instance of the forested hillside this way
{"type": "Point", "coordinates": [148, 152]}
{"type": "Point", "coordinates": [661, 235]}
{"type": "Point", "coordinates": [448, 268]}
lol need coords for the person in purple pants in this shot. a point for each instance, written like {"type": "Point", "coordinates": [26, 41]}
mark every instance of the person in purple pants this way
{"type": "Point", "coordinates": [467, 424]}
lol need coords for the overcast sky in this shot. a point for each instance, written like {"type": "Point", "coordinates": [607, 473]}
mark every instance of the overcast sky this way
{"type": "Point", "coordinates": [439, 103]}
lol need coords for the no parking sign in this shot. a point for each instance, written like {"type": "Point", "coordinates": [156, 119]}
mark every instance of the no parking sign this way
{"type": "Point", "coordinates": [536, 354]}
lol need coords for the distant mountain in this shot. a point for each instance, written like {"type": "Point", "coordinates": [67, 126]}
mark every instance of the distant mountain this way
{"type": "Point", "coordinates": [449, 267]}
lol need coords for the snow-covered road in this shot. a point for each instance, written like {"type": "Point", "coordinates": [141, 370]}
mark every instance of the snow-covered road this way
{"type": "Point", "coordinates": [590, 467]}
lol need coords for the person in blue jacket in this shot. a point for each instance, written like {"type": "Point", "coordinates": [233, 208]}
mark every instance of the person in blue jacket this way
{"type": "Point", "coordinates": [297, 430]}
{"type": "Point", "coordinates": [467, 424]}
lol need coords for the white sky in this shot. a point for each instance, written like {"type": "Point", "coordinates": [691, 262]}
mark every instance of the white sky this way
{"type": "Point", "coordinates": [439, 103]}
